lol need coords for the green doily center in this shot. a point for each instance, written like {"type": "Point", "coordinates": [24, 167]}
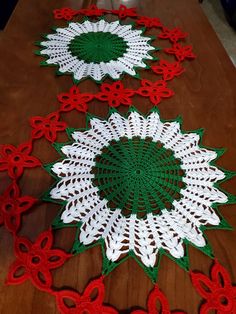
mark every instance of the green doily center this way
{"type": "Point", "coordinates": [97, 47]}
{"type": "Point", "coordinates": [138, 176]}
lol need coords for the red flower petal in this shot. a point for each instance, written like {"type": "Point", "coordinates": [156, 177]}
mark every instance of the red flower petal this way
{"type": "Point", "coordinates": [31, 162]}
{"type": "Point", "coordinates": [7, 150]}
{"type": "Point", "coordinates": [98, 285]}
{"type": "Point", "coordinates": [15, 171]}
{"type": "Point", "coordinates": [220, 276]}
{"type": "Point", "coordinates": [67, 295]}
{"type": "Point", "coordinates": [56, 258]}
{"type": "Point", "coordinates": [42, 279]}
{"type": "Point", "coordinates": [156, 297]}
{"type": "Point", "coordinates": [37, 133]}
{"type": "Point", "coordinates": [25, 202]}
{"type": "Point", "coordinates": [25, 148]}
{"type": "Point", "coordinates": [203, 284]}
{"type": "Point", "coordinates": [44, 240]}
{"type": "Point", "coordinates": [22, 248]}
{"type": "Point", "coordinates": [17, 273]}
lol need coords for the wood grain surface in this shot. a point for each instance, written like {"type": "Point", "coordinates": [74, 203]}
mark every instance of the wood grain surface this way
{"type": "Point", "coordinates": [205, 96]}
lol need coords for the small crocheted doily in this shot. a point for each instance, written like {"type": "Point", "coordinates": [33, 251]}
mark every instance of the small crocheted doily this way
{"type": "Point", "coordinates": [138, 186]}
{"type": "Point", "coordinates": [97, 49]}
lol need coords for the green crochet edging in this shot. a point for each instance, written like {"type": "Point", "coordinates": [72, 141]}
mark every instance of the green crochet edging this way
{"type": "Point", "coordinates": [75, 81]}
{"type": "Point", "coordinates": [152, 272]}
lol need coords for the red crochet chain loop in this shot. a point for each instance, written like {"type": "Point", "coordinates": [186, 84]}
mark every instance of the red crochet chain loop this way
{"type": "Point", "coordinates": [149, 22]}
{"type": "Point", "coordinates": [15, 159]}
{"type": "Point", "coordinates": [12, 205]}
{"type": "Point", "coordinates": [218, 292]}
{"type": "Point", "coordinates": [74, 100]}
{"type": "Point", "coordinates": [84, 303]}
{"type": "Point", "coordinates": [173, 35]}
{"type": "Point", "coordinates": [156, 297]}
{"type": "Point", "coordinates": [115, 94]}
{"type": "Point", "coordinates": [154, 90]}
{"type": "Point", "coordinates": [168, 70]}
{"type": "Point", "coordinates": [47, 126]}
{"type": "Point", "coordinates": [181, 52]}
{"type": "Point", "coordinates": [35, 260]}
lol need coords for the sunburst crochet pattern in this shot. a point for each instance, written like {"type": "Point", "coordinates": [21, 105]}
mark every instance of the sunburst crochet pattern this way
{"type": "Point", "coordinates": [138, 186]}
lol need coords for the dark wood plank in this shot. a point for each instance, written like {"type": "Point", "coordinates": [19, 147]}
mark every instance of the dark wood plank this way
{"type": "Point", "coordinates": [205, 97]}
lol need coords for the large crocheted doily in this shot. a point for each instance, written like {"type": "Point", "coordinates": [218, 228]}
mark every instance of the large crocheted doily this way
{"type": "Point", "coordinates": [138, 186]}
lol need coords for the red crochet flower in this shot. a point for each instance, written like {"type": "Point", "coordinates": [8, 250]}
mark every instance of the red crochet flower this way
{"type": "Point", "coordinates": [74, 100]}
{"type": "Point", "coordinates": [168, 70]}
{"type": "Point", "coordinates": [124, 12]}
{"type": "Point", "coordinates": [47, 126]}
{"type": "Point", "coordinates": [93, 10]}
{"type": "Point", "coordinates": [154, 90]}
{"type": "Point", "coordinates": [12, 205]}
{"type": "Point", "coordinates": [218, 292]}
{"type": "Point", "coordinates": [64, 13]}
{"type": "Point", "coordinates": [173, 35]}
{"type": "Point", "coordinates": [181, 52]}
{"type": "Point", "coordinates": [148, 21]}
{"type": "Point", "coordinates": [156, 297]}
{"type": "Point", "coordinates": [35, 260]}
{"type": "Point", "coordinates": [115, 94]}
{"type": "Point", "coordinates": [84, 303]}
{"type": "Point", "coordinates": [15, 159]}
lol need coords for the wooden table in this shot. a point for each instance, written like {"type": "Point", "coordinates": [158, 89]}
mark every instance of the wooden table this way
{"type": "Point", "coordinates": [205, 97]}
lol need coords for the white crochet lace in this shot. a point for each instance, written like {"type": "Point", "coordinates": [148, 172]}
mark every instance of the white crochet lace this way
{"type": "Point", "coordinates": [58, 52]}
{"type": "Point", "coordinates": [143, 236]}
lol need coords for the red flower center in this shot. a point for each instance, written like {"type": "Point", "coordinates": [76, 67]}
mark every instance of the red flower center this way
{"type": "Point", "coordinates": [224, 302]}
{"type": "Point", "coordinates": [16, 158]}
{"type": "Point", "coordinates": [8, 207]}
{"type": "Point", "coordinates": [36, 259]}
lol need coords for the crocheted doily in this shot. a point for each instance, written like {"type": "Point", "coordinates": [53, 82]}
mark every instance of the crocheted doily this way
{"type": "Point", "coordinates": [97, 49]}
{"type": "Point", "coordinates": [138, 186]}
